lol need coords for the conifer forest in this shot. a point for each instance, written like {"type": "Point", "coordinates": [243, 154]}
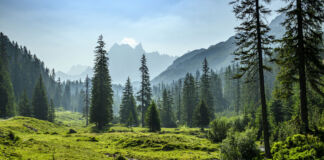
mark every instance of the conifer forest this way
{"type": "Point", "coordinates": [190, 80]}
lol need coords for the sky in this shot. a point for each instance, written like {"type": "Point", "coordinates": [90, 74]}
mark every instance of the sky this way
{"type": "Point", "coordinates": [63, 33]}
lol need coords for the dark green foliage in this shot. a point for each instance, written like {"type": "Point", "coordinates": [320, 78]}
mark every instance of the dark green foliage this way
{"type": "Point", "coordinates": [216, 89]}
{"type": "Point", "coordinates": [189, 97]}
{"type": "Point", "coordinates": [276, 111]}
{"type": "Point", "coordinates": [299, 52]}
{"type": "Point", "coordinates": [127, 110]}
{"type": "Point", "coordinates": [152, 118]}
{"type": "Point", "coordinates": [167, 116]}
{"type": "Point", "coordinates": [253, 44]}
{"type": "Point", "coordinates": [240, 146]}
{"type": "Point", "coordinates": [102, 95]}
{"type": "Point", "coordinates": [298, 147]}
{"type": "Point", "coordinates": [51, 111]}
{"type": "Point", "coordinates": [205, 93]}
{"type": "Point", "coordinates": [66, 99]}
{"type": "Point", "coordinates": [86, 100]}
{"type": "Point", "coordinates": [218, 130]}
{"type": "Point", "coordinates": [25, 108]}
{"type": "Point", "coordinates": [145, 92]}
{"type": "Point", "coordinates": [201, 115]}
{"type": "Point", "coordinates": [39, 102]}
{"type": "Point", "coordinates": [6, 90]}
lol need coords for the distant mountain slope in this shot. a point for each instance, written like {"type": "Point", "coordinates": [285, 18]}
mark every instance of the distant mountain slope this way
{"type": "Point", "coordinates": [219, 55]}
{"type": "Point", "coordinates": [124, 61]}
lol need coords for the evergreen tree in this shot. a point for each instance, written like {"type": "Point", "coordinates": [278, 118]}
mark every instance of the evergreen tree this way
{"type": "Point", "coordinates": [205, 93]}
{"type": "Point", "coordinates": [253, 44]}
{"type": "Point", "coordinates": [128, 106]}
{"type": "Point", "coordinates": [299, 53]}
{"type": "Point", "coordinates": [40, 104]}
{"type": "Point", "coordinates": [189, 99]}
{"type": "Point", "coordinates": [153, 118]}
{"type": "Point", "coordinates": [166, 111]}
{"type": "Point", "coordinates": [145, 93]}
{"type": "Point", "coordinates": [58, 93]}
{"type": "Point", "coordinates": [24, 106]}
{"type": "Point", "coordinates": [66, 101]}
{"type": "Point", "coordinates": [6, 90]}
{"type": "Point", "coordinates": [276, 110]}
{"type": "Point", "coordinates": [86, 108]}
{"type": "Point", "coordinates": [51, 111]}
{"type": "Point", "coordinates": [101, 112]}
{"type": "Point", "coordinates": [217, 92]}
{"type": "Point", "coordinates": [201, 117]}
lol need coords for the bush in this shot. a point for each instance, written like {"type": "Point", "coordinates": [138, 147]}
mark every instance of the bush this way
{"type": "Point", "coordinates": [240, 146]}
{"type": "Point", "coordinates": [298, 147]}
{"type": "Point", "coordinates": [284, 130]}
{"type": "Point", "coordinates": [218, 130]}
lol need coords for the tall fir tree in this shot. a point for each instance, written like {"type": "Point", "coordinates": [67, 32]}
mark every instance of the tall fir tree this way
{"type": "Point", "coordinates": [101, 112]}
{"type": "Point", "coordinates": [145, 92]}
{"type": "Point", "coordinates": [40, 104]}
{"type": "Point", "coordinates": [299, 52]}
{"type": "Point", "coordinates": [205, 93]}
{"type": "Point", "coordinates": [253, 46]}
{"type": "Point", "coordinates": [201, 117]}
{"type": "Point", "coordinates": [6, 89]}
{"type": "Point", "coordinates": [86, 100]}
{"type": "Point", "coordinates": [167, 116]}
{"type": "Point", "coordinates": [51, 111]}
{"type": "Point", "coordinates": [127, 110]}
{"type": "Point", "coordinates": [217, 92]}
{"type": "Point", "coordinates": [152, 118]}
{"type": "Point", "coordinates": [189, 100]}
{"type": "Point", "coordinates": [66, 99]}
{"type": "Point", "coordinates": [24, 106]}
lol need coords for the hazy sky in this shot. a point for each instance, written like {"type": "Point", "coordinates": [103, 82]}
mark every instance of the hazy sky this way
{"type": "Point", "coordinates": [63, 33]}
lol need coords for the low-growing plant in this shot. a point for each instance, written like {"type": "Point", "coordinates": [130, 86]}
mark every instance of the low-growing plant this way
{"type": "Point", "coordinates": [240, 146]}
{"type": "Point", "coordinates": [218, 130]}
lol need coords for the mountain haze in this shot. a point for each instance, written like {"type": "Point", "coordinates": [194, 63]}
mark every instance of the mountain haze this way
{"type": "Point", "coordinates": [218, 56]}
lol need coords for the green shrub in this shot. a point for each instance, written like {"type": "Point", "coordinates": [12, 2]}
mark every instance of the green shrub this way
{"type": "Point", "coordinates": [218, 130]}
{"type": "Point", "coordinates": [239, 146]}
{"type": "Point", "coordinates": [284, 130]}
{"type": "Point", "coordinates": [298, 147]}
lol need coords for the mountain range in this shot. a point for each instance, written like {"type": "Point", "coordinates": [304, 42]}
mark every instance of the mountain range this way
{"type": "Point", "coordinates": [218, 56]}
{"type": "Point", "coordinates": [124, 61]}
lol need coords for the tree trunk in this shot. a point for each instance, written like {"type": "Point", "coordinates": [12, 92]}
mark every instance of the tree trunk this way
{"type": "Point", "coordinates": [262, 89]}
{"type": "Point", "coordinates": [301, 69]}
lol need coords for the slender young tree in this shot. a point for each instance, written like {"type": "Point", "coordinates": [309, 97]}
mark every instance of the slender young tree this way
{"type": "Point", "coordinates": [24, 106]}
{"type": "Point", "coordinates": [189, 102]}
{"type": "Point", "coordinates": [299, 52]}
{"type": "Point", "coordinates": [101, 112]}
{"type": "Point", "coordinates": [40, 104]}
{"type": "Point", "coordinates": [128, 106]}
{"type": "Point", "coordinates": [51, 111]}
{"type": "Point", "coordinates": [145, 93]}
{"type": "Point", "coordinates": [86, 100]}
{"type": "Point", "coordinates": [201, 117]}
{"type": "Point", "coordinates": [205, 93]}
{"type": "Point", "coordinates": [166, 111]}
{"type": "Point", "coordinates": [253, 44]}
{"type": "Point", "coordinates": [6, 90]}
{"type": "Point", "coordinates": [153, 118]}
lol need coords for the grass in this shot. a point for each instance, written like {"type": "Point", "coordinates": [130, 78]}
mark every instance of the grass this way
{"type": "Point", "coordinates": [29, 138]}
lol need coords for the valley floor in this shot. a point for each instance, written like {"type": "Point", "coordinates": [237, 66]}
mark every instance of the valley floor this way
{"type": "Point", "coordinates": [29, 138]}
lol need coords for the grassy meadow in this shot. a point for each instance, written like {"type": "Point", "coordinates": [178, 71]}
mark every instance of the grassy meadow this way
{"type": "Point", "coordinates": [29, 138]}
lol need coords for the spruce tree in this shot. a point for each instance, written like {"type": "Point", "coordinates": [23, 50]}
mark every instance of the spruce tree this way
{"type": "Point", "coordinates": [189, 101]}
{"type": "Point", "coordinates": [253, 44]}
{"type": "Point", "coordinates": [6, 89]}
{"type": "Point", "coordinates": [201, 117]}
{"type": "Point", "coordinates": [152, 118]}
{"type": "Point", "coordinates": [299, 52]}
{"type": "Point", "coordinates": [101, 112]}
{"type": "Point", "coordinates": [205, 93]}
{"type": "Point", "coordinates": [86, 108]}
{"type": "Point", "coordinates": [40, 104]}
{"type": "Point", "coordinates": [166, 111]}
{"type": "Point", "coordinates": [128, 106]}
{"type": "Point", "coordinates": [66, 101]}
{"type": "Point", "coordinates": [24, 106]}
{"type": "Point", "coordinates": [145, 93]}
{"type": "Point", "coordinates": [51, 111]}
